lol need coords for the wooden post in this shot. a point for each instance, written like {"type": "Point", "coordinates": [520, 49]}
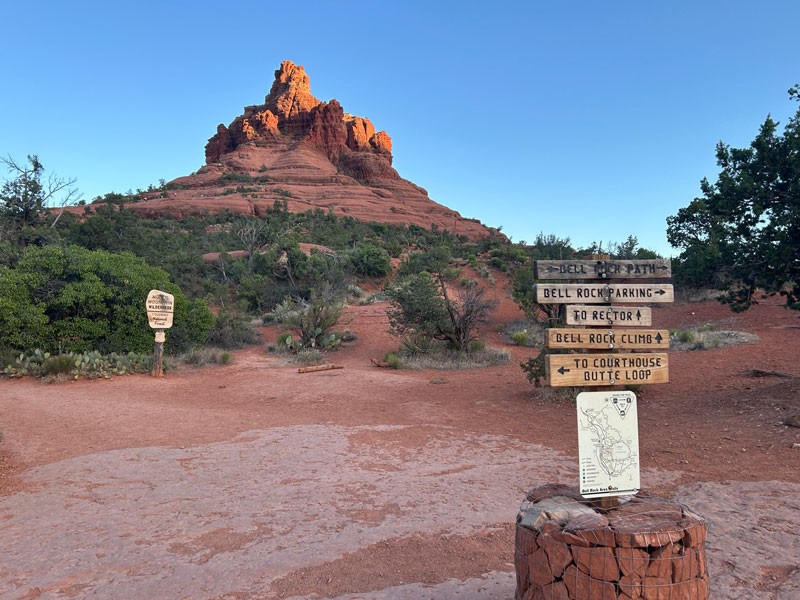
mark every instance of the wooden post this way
{"type": "Point", "coordinates": [605, 502]}
{"type": "Point", "coordinates": [158, 354]}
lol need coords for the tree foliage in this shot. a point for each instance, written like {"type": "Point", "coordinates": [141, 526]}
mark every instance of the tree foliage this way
{"type": "Point", "coordinates": [73, 299]}
{"type": "Point", "coordinates": [743, 233]}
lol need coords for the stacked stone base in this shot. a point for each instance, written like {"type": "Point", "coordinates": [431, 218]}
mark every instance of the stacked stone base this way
{"type": "Point", "coordinates": [646, 548]}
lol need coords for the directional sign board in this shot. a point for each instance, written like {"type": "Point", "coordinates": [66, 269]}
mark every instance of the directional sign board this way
{"type": "Point", "coordinates": [602, 293]}
{"type": "Point", "coordinates": [606, 369]}
{"type": "Point", "coordinates": [609, 315]}
{"type": "Point", "coordinates": [608, 443]}
{"type": "Point", "coordinates": [601, 339]}
{"type": "Point", "coordinates": [160, 307]}
{"type": "Point", "coordinates": [603, 269]}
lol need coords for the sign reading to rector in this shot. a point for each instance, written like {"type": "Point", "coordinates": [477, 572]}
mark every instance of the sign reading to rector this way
{"type": "Point", "coordinates": [603, 269]}
{"type": "Point", "coordinates": [608, 443]}
{"type": "Point", "coordinates": [160, 306]}
{"type": "Point", "coordinates": [603, 293]}
{"type": "Point", "coordinates": [606, 369]}
{"type": "Point", "coordinates": [599, 339]}
{"type": "Point", "coordinates": [609, 315]}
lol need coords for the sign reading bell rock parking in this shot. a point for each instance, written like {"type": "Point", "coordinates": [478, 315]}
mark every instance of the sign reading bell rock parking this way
{"type": "Point", "coordinates": [608, 443]}
{"type": "Point", "coordinates": [160, 307]}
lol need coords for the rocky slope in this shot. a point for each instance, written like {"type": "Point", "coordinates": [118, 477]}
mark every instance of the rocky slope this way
{"type": "Point", "coordinates": [308, 154]}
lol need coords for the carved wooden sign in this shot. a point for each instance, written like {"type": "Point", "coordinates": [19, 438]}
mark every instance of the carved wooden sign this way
{"type": "Point", "coordinates": [602, 339]}
{"type": "Point", "coordinates": [603, 316]}
{"type": "Point", "coordinates": [606, 369]}
{"type": "Point", "coordinates": [602, 293]}
{"type": "Point", "coordinates": [160, 308]}
{"type": "Point", "coordinates": [603, 269]}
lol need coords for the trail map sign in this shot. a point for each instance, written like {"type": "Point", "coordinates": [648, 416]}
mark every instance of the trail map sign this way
{"type": "Point", "coordinates": [603, 269]}
{"type": "Point", "coordinates": [602, 293]}
{"type": "Point", "coordinates": [606, 369]}
{"type": "Point", "coordinates": [160, 307]}
{"type": "Point", "coordinates": [608, 443]}
{"type": "Point", "coordinates": [609, 315]}
{"type": "Point", "coordinates": [599, 339]}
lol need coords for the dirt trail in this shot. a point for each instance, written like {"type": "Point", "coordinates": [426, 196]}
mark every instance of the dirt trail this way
{"type": "Point", "coordinates": [252, 481]}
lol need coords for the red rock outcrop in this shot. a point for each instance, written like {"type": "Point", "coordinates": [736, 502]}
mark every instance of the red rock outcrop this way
{"type": "Point", "coordinates": [297, 150]}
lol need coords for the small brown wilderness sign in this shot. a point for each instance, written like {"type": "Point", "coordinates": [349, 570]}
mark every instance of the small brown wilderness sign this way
{"type": "Point", "coordinates": [609, 315]}
{"type": "Point", "coordinates": [601, 293]}
{"type": "Point", "coordinates": [606, 369]}
{"type": "Point", "coordinates": [160, 307]}
{"type": "Point", "coordinates": [603, 269]}
{"type": "Point", "coordinates": [599, 339]}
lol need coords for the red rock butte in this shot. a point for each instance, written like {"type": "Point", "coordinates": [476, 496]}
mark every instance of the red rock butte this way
{"type": "Point", "coordinates": [305, 154]}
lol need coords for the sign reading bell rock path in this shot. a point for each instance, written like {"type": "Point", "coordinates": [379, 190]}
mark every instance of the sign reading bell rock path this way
{"type": "Point", "coordinates": [608, 443]}
{"type": "Point", "coordinates": [603, 269]}
{"type": "Point", "coordinates": [160, 307]}
{"type": "Point", "coordinates": [602, 293]}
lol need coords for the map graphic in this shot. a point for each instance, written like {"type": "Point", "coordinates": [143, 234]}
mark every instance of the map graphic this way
{"type": "Point", "coordinates": [608, 443]}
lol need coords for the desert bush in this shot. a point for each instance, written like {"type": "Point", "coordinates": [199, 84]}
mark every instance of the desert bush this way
{"type": "Point", "coordinates": [86, 364]}
{"type": "Point", "coordinates": [232, 331]}
{"type": "Point", "coordinates": [374, 298]}
{"type": "Point", "coordinates": [309, 356]}
{"type": "Point", "coordinates": [422, 308]}
{"type": "Point", "coordinates": [78, 300]}
{"type": "Point", "coordinates": [371, 261]}
{"type": "Point", "coordinates": [519, 337]}
{"type": "Point", "coordinates": [445, 358]}
{"type": "Point", "coordinates": [225, 358]}
{"type": "Point", "coordinates": [58, 365]}
{"type": "Point", "coordinates": [312, 321]}
{"type": "Point", "coordinates": [392, 360]}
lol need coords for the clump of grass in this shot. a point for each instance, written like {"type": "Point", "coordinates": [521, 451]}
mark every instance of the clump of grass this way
{"type": "Point", "coordinates": [500, 328]}
{"type": "Point", "coordinates": [476, 346]}
{"type": "Point", "coordinates": [392, 360]}
{"type": "Point", "coordinates": [520, 338]}
{"type": "Point", "coordinates": [200, 357]}
{"type": "Point", "coordinates": [225, 358]}
{"type": "Point", "coordinates": [448, 359]}
{"type": "Point", "coordinates": [374, 298]}
{"type": "Point", "coordinates": [60, 364]}
{"type": "Point", "coordinates": [309, 356]}
{"type": "Point", "coordinates": [685, 336]}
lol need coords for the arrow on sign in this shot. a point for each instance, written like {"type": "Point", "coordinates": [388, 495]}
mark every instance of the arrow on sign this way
{"type": "Point", "coordinates": [638, 314]}
{"type": "Point", "coordinates": [660, 292]}
{"type": "Point", "coordinates": [659, 337]}
{"type": "Point", "coordinates": [663, 268]}
{"type": "Point", "coordinates": [551, 269]}
{"type": "Point", "coordinates": [562, 370]}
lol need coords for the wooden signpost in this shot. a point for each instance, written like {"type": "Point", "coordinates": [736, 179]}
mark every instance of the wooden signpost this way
{"type": "Point", "coordinates": [606, 369]}
{"type": "Point", "coordinates": [603, 269]}
{"type": "Point", "coordinates": [160, 308]}
{"type": "Point", "coordinates": [603, 371]}
{"type": "Point", "coordinates": [597, 339]}
{"type": "Point", "coordinates": [609, 315]}
{"type": "Point", "coordinates": [603, 293]}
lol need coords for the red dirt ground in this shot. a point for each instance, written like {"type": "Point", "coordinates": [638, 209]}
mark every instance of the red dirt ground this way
{"type": "Point", "coordinates": [370, 481]}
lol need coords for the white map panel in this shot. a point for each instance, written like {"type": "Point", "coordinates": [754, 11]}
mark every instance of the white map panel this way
{"type": "Point", "coordinates": [608, 443]}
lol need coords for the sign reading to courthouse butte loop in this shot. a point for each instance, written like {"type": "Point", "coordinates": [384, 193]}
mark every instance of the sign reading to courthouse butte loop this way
{"type": "Point", "coordinates": [609, 315]}
{"type": "Point", "coordinates": [606, 369]}
{"type": "Point", "coordinates": [602, 293]}
{"type": "Point", "coordinates": [599, 339]}
{"type": "Point", "coordinates": [603, 269]}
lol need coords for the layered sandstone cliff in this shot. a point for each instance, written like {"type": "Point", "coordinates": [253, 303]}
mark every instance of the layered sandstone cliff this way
{"type": "Point", "coordinates": [307, 154]}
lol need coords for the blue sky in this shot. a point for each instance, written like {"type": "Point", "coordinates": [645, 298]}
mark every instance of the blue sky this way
{"type": "Point", "coordinates": [584, 119]}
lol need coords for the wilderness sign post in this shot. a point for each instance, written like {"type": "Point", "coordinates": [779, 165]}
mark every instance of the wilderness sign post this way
{"type": "Point", "coordinates": [160, 308]}
{"type": "Point", "coordinates": [604, 357]}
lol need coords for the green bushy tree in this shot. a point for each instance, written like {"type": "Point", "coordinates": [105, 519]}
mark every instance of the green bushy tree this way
{"type": "Point", "coordinates": [743, 233]}
{"type": "Point", "coordinates": [72, 299]}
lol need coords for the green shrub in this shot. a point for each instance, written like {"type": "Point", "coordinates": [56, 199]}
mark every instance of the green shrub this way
{"type": "Point", "coordinates": [232, 331]}
{"type": "Point", "coordinates": [501, 328]}
{"type": "Point", "coordinates": [686, 337]}
{"type": "Point", "coordinates": [225, 357]}
{"type": "Point", "coordinates": [312, 321]}
{"type": "Point", "coordinates": [520, 338]}
{"type": "Point", "coordinates": [58, 364]}
{"type": "Point", "coordinates": [371, 261]}
{"type": "Point", "coordinates": [706, 327]}
{"type": "Point", "coordinates": [78, 300]}
{"type": "Point", "coordinates": [392, 360]}
{"type": "Point", "coordinates": [476, 346]}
